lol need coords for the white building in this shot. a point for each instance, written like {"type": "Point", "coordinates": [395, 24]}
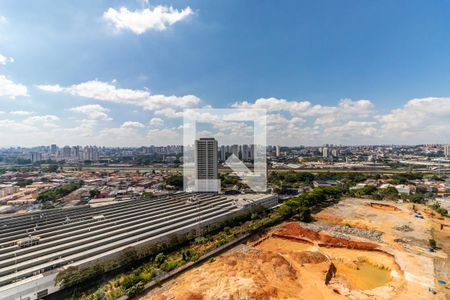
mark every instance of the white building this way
{"type": "Point", "coordinates": [206, 169]}
{"type": "Point", "coordinates": [447, 151]}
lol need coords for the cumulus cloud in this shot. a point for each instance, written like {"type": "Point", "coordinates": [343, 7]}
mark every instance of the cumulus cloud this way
{"type": "Point", "coordinates": [164, 136]}
{"type": "Point", "coordinates": [424, 119]}
{"type": "Point", "coordinates": [50, 88]}
{"type": "Point", "coordinates": [105, 91]}
{"type": "Point", "coordinates": [4, 60]}
{"type": "Point", "coordinates": [43, 121]}
{"type": "Point", "coordinates": [158, 18]}
{"type": "Point", "coordinates": [132, 125]}
{"type": "Point", "coordinates": [21, 113]}
{"type": "Point", "coordinates": [274, 104]}
{"type": "Point", "coordinates": [156, 122]}
{"type": "Point", "coordinates": [10, 89]}
{"type": "Point", "coordinates": [93, 111]}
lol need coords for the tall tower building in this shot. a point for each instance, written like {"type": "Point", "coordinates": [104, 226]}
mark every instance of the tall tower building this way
{"type": "Point", "coordinates": [277, 151]}
{"type": "Point", "coordinates": [222, 153]}
{"type": "Point", "coordinates": [53, 149]}
{"type": "Point", "coordinates": [447, 151]}
{"type": "Point", "coordinates": [66, 151]}
{"type": "Point", "coordinates": [206, 165]}
{"type": "Point", "coordinates": [325, 151]}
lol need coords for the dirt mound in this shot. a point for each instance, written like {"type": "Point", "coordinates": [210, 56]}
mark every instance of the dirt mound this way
{"type": "Point", "coordinates": [384, 206]}
{"type": "Point", "coordinates": [309, 257]}
{"type": "Point", "coordinates": [247, 271]}
{"type": "Point", "coordinates": [330, 241]}
{"type": "Point", "coordinates": [293, 230]}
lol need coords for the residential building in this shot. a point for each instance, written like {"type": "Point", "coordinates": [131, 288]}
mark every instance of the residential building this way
{"type": "Point", "coordinates": [206, 168]}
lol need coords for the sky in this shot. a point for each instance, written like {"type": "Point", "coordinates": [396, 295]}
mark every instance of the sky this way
{"type": "Point", "coordinates": [123, 73]}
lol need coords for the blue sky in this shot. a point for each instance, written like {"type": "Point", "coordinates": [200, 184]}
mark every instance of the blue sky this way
{"type": "Point", "coordinates": [330, 54]}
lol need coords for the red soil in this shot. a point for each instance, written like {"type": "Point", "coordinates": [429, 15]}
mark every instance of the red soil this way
{"type": "Point", "coordinates": [295, 231]}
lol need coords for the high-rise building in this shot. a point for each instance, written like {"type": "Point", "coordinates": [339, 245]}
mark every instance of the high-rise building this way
{"type": "Point", "coordinates": [245, 152]}
{"type": "Point", "coordinates": [252, 152]}
{"type": "Point", "coordinates": [447, 150]}
{"type": "Point", "coordinates": [66, 151]}
{"type": "Point", "coordinates": [53, 149]}
{"type": "Point", "coordinates": [235, 150]}
{"type": "Point", "coordinates": [223, 153]}
{"type": "Point", "coordinates": [206, 169]}
{"type": "Point", "coordinates": [325, 151]}
{"type": "Point", "coordinates": [35, 156]}
{"type": "Point", "coordinates": [75, 151]}
{"type": "Point", "coordinates": [277, 151]}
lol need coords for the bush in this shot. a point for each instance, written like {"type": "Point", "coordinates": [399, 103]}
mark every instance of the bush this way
{"type": "Point", "coordinates": [145, 276]}
{"type": "Point", "coordinates": [135, 290]}
{"type": "Point", "coordinates": [432, 243]}
{"type": "Point", "coordinates": [176, 181]}
{"type": "Point", "coordinates": [129, 281]}
{"type": "Point", "coordinates": [160, 258]}
{"type": "Point", "coordinates": [305, 215]}
{"type": "Point", "coordinates": [168, 266]}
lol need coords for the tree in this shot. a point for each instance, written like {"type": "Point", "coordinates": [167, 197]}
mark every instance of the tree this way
{"type": "Point", "coordinates": [24, 182]}
{"type": "Point", "coordinates": [432, 243]}
{"type": "Point", "coordinates": [389, 193]}
{"type": "Point", "coordinates": [176, 181]}
{"type": "Point", "coordinates": [160, 258]}
{"type": "Point", "coordinates": [417, 198]}
{"type": "Point", "coordinates": [148, 195]}
{"type": "Point", "coordinates": [94, 193]}
{"type": "Point", "coordinates": [304, 215]}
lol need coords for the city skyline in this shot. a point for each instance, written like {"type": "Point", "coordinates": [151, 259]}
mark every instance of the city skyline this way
{"type": "Point", "coordinates": [121, 74]}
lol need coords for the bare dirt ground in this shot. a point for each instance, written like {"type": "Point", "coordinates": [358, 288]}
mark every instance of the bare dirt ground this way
{"type": "Point", "coordinates": [355, 250]}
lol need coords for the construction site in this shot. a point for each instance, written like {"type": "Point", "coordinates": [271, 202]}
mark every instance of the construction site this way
{"type": "Point", "coordinates": [355, 249]}
{"type": "Point", "coordinates": [35, 247]}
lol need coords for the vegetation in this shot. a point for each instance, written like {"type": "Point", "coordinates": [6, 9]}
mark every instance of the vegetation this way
{"type": "Point", "coordinates": [94, 193]}
{"type": "Point", "coordinates": [149, 264]}
{"type": "Point", "coordinates": [176, 181]}
{"type": "Point", "coordinates": [190, 247]}
{"type": "Point", "coordinates": [52, 195]}
{"type": "Point", "coordinates": [442, 211]}
{"type": "Point", "coordinates": [432, 243]}
{"type": "Point", "coordinates": [148, 195]}
{"type": "Point", "coordinates": [24, 182]}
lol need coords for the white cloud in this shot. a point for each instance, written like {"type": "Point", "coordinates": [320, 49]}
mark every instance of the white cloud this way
{"type": "Point", "coordinates": [21, 113]}
{"type": "Point", "coordinates": [156, 122]}
{"type": "Point", "coordinates": [275, 104]}
{"type": "Point", "coordinates": [132, 125]}
{"type": "Point", "coordinates": [44, 121]}
{"type": "Point", "coordinates": [4, 60]}
{"type": "Point", "coordinates": [158, 18]}
{"type": "Point", "coordinates": [50, 88]}
{"type": "Point", "coordinates": [424, 120]}
{"type": "Point", "coordinates": [164, 136]}
{"type": "Point", "coordinates": [93, 111]}
{"type": "Point", "coordinates": [169, 113]}
{"type": "Point", "coordinates": [3, 20]}
{"type": "Point", "coordinates": [10, 89]}
{"type": "Point", "coordinates": [105, 91]}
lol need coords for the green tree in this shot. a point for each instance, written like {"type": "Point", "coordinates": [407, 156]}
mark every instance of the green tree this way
{"type": "Point", "coordinates": [176, 181]}
{"type": "Point", "coordinates": [304, 215]}
{"type": "Point", "coordinates": [160, 258]}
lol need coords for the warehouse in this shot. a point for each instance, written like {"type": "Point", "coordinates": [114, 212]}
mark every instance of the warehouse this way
{"type": "Point", "coordinates": [34, 247]}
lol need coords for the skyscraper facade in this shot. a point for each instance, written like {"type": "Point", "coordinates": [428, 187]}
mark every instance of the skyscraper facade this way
{"type": "Point", "coordinates": [206, 168]}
